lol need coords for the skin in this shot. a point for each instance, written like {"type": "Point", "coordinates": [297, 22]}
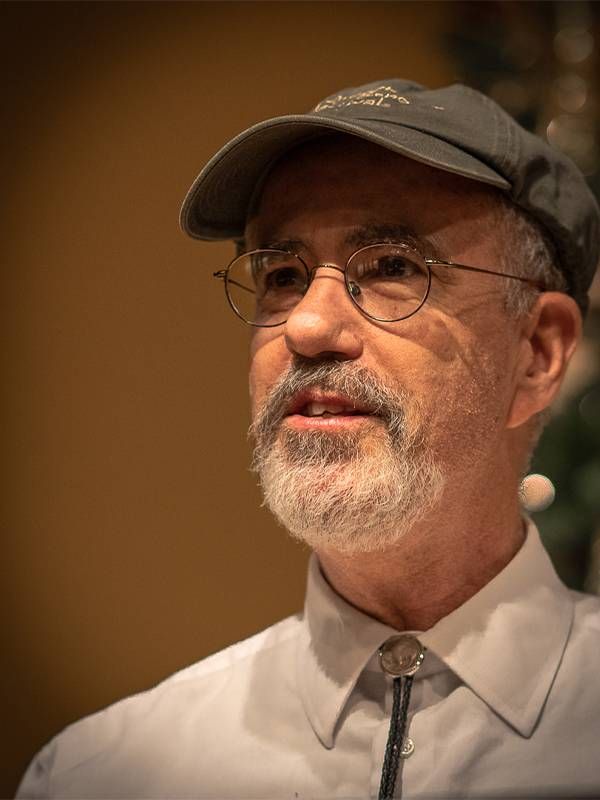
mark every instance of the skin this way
{"type": "Point", "coordinates": [480, 375]}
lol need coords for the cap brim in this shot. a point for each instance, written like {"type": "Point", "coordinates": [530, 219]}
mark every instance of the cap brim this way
{"type": "Point", "coordinates": [216, 205]}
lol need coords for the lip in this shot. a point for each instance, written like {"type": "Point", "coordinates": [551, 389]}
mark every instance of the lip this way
{"type": "Point", "coordinates": [300, 400]}
{"type": "Point", "coordinates": [338, 422]}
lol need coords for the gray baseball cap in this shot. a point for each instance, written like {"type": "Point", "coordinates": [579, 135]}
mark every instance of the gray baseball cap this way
{"type": "Point", "coordinates": [455, 128]}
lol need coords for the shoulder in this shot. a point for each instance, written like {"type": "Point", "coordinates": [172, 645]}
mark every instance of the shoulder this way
{"type": "Point", "coordinates": [200, 691]}
{"type": "Point", "coordinates": [579, 660]}
{"type": "Point", "coordinates": [586, 618]}
{"type": "Point", "coordinates": [234, 657]}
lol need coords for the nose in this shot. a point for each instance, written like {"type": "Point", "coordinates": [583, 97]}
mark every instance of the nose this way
{"type": "Point", "coordinates": [325, 323]}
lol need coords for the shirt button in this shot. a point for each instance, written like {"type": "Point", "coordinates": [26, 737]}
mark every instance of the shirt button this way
{"type": "Point", "coordinates": [408, 748]}
{"type": "Point", "coordinates": [401, 655]}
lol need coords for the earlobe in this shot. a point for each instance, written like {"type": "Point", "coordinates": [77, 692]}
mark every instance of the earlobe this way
{"type": "Point", "coordinates": [550, 334]}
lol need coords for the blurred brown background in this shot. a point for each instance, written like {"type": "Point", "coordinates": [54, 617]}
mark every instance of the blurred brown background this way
{"type": "Point", "coordinates": [133, 540]}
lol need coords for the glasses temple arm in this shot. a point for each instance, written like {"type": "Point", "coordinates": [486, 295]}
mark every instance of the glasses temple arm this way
{"type": "Point", "coordinates": [222, 273]}
{"type": "Point", "coordinates": [530, 281]}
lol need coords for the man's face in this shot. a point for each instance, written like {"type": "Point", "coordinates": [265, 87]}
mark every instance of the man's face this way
{"type": "Point", "coordinates": [415, 407]}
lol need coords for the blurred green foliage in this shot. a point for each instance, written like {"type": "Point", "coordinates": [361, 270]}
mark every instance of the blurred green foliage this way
{"type": "Point", "coordinates": [506, 50]}
{"type": "Point", "coordinates": [569, 454]}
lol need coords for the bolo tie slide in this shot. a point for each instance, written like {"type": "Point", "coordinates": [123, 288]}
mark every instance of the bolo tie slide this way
{"type": "Point", "coordinates": [400, 656]}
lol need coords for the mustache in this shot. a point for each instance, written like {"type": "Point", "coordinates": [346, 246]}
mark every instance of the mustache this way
{"type": "Point", "coordinates": [357, 382]}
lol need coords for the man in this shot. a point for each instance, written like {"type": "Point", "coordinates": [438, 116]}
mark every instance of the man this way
{"type": "Point", "coordinates": [415, 267]}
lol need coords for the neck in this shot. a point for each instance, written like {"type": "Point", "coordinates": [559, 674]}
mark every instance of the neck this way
{"type": "Point", "coordinates": [436, 567]}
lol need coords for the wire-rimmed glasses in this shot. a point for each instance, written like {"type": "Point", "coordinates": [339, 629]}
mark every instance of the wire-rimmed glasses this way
{"type": "Point", "coordinates": [387, 282]}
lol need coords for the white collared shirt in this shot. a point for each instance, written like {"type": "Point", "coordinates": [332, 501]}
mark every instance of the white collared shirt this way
{"type": "Point", "coordinates": [506, 704]}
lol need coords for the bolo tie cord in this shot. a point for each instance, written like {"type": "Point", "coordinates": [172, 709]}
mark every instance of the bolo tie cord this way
{"type": "Point", "coordinates": [400, 701]}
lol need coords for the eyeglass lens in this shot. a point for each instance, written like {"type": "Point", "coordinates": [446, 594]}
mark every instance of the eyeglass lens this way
{"type": "Point", "coordinates": [386, 281]}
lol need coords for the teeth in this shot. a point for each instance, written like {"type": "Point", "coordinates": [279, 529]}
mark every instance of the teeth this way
{"type": "Point", "coordinates": [318, 409]}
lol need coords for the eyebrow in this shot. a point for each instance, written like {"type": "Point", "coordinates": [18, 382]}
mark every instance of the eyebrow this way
{"type": "Point", "coordinates": [289, 245]}
{"type": "Point", "coordinates": [369, 233]}
{"type": "Point", "coordinates": [373, 232]}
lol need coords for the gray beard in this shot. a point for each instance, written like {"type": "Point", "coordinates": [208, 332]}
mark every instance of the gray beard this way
{"type": "Point", "coordinates": [355, 491]}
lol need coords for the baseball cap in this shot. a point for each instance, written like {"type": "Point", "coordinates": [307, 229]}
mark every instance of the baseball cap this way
{"type": "Point", "coordinates": [454, 128]}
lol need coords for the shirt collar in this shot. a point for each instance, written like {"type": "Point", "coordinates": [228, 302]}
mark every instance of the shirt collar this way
{"type": "Point", "coordinates": [505, 642]}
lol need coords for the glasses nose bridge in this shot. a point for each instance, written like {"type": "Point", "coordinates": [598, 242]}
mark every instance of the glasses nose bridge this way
{"type": "Point", "coordinates": [328, 265]}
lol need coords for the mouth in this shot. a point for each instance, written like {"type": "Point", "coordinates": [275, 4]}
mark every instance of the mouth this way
{"type": "Point", "coordinates": [322, 410]}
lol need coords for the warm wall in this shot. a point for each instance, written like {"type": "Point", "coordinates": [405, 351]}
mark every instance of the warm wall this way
{"type": "Point", "coordinates": [133, 542]}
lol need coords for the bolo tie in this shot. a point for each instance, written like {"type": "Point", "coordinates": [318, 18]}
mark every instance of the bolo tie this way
{"type": "Point", "coordinates": [400, 656]}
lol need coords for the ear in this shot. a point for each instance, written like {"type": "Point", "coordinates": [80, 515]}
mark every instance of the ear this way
{"type": "Point", "coordinates": [549, 336]}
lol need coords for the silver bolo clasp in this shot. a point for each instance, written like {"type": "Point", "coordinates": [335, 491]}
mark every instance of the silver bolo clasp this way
{"type": "Point", "coordinates": [401, 656]}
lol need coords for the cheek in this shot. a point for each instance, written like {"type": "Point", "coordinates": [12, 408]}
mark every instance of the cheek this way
{"type": "Point", "coordinates": [461, 382]}
{"type": "Point", "coordinates": [269, 359]}
{"type": "Point", "coordinates": [473, 400]}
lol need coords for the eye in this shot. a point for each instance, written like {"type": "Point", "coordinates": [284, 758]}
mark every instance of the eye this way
{"type": "Point", "coordinates": [284, 278]}
{"type": "Point", "coordinates": [276, 271]}
{"type": "Point", "coordinates": [387, 267]}
{"type": "Point", "coordinates": [395, 267]}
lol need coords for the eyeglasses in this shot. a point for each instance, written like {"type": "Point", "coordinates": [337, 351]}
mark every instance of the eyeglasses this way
{"type": "Point", "coordinates": [387, 282]}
